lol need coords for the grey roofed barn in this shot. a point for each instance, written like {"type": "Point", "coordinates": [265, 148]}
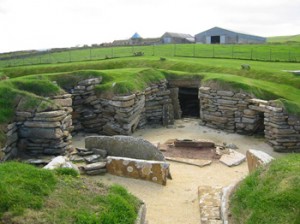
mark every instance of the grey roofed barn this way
{"type": "Point", "coordinates": [217, 35]}
{"type": "Point", "coordinates": [177, 38]}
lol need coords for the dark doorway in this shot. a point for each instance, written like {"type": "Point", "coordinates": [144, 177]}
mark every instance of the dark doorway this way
{"type": "Point", "coordinates": [215, 39]}
{"type": "Point", "coordinates": [259, 128]}
{"type": "Point", "coordinates": [189, 102]}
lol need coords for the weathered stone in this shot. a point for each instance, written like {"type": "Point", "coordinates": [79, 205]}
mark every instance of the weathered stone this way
{"type": "Point", "coordinates": [49, 114]}
{"type": "Point", "coordinates": [43, 133]}
{"type": "Point", "coordinates": [96, 172]}
{"type": "Point", "coordinates": [256, 158]}
{"type": "Point", "coordinates": [92, 158]}
{"type": "Point", "coordinates": [155, 171]}
{"type": "Point", "coordinates": [258, 101]}
{"type": "Point", "coordinates": [121, 103]}
{"type": "Point", "coordinates": [225, 93]}
{"type": "Point", "coordinates": [63, 102]}
{"type": "Point", "coordinates": [194, 143]}
{"type": "Point", "coordinates": [210, 204]}
{"type": "Point", "coordinates": [124, 98]}
{"type": "Point", "coordinates": [94, 166]}
{"type": "Point", "coordinates": [40, 124]}
{"type": "Point", "coordinates": [226, 102]}
{"type": "Point", "coordinates": [234, 158]}
{"type": "Point", "coordinates": [125, 146]}
{"type": "Point", "coordinates": [101, 152]}
{"type": "Point", "coordinates": [92, 81]}
{"type": "Point", "coordinates": [194, 162]}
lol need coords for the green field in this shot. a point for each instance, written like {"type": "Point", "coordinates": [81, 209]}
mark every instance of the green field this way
{"type": "Point", "coordinates": [262, 52]}
{"type": "Point", "coordinates": [284, 39]}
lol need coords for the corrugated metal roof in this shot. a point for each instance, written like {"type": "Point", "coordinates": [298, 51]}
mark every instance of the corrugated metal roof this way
{"type": "Point", "coordinates": [179, 35]}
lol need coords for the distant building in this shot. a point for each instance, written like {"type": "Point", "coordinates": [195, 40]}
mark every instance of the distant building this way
{"type": "Point", "coordinates": [136, 39]}
{"type": "Point", "coordinates": [121, 42]}
{"type": "Point", "coordinates": [219, 35]}
{"type": "Point", "coordinates": [177, 38]}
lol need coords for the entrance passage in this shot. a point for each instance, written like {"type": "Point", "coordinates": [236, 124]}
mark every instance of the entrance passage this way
{"type": "Point", "coordinates": [215, 39]}
{"type": "Point", "coordinates": [189, 102]}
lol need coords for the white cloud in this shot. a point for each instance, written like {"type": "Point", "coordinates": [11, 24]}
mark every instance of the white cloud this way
{"type": "Point", "coordinates": [34, 24]}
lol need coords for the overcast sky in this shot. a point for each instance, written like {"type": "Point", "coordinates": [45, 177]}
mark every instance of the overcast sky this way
{"type": "Point", "coordinates": [42, 24]}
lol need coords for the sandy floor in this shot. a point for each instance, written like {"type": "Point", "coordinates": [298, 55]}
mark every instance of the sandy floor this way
{"type": "Point", "coordinates": [178, 201]}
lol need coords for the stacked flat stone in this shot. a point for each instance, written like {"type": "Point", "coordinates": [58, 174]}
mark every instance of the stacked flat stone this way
{"type": "Point", "coordinates": [10, 148]}
{"type": "Point", "coordinates": [87, 115]}
{"type": "Point", "coordinates": [282, 130]}
{"type": "Point", "coordinates": [120, 114]}
{"type": "Point", "coordinates": [221, 109]}
{"type": "Point", "coordinates": [159, 108]}
{"type": "Point", "coordinates": [46, 132]}
{"type": "Point", "coordinates": [239, 112]}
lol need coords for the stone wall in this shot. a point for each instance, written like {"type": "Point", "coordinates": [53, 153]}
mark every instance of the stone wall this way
{"type": "Point", "coordinates": [46, 132]}
{"type": "Point", "coordinates": [239, 112]}
{"type": "Point", "coordinates": [10, 149]}
{"type": "Point", "coordinates": [119, 114]}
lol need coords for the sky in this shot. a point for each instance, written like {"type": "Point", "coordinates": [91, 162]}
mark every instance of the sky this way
{"type": "Point", "coordinates": [44, 24]}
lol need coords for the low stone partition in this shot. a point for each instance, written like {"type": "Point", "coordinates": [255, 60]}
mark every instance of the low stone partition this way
{"type": "Point", "coordinates": [239, 112]}
{"type": "Point", "coordinates": [155, 171]}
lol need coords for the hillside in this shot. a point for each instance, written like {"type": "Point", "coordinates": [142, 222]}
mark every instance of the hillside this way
{"type": "Point", "coordinates": [284, 39]}
{"type": "Point", "coordinates": [269, 195]}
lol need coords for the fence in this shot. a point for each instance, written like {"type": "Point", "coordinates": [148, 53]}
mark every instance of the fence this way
{"type": "Point", "coordinates": [284, 53]}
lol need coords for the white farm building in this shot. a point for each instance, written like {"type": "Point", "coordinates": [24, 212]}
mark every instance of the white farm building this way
{"type": "Point", "coordinates": [219, 35]}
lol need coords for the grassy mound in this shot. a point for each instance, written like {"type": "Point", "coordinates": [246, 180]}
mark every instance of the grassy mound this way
{"type": "Point", "coordinates": [32, 195]}
{"type": "Point", "coordinates": [269, 195]}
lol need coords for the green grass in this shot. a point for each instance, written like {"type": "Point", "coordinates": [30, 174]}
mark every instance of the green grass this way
{"type": "Point", "coordinates": [23, 186]}
{"type": "Point", "coordinates": [126, 75]}
{"type": "Point", "coordinates": [32, 195]}
{"type": "Point", "coordinates": [270, 195]}
{"type": "Point", "coordinates": [263, 52]}
{"type": "Point", "coordinates": [284, 39]}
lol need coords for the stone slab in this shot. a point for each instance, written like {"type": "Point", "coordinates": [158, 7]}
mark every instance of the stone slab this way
{"type": "Point", "coordinates": [257, 158]}
{"type": "Point", "coordinates": [125, 146]}
{"type": "Point", "coordinates": [194, 162]}
{"type": "Point", "coordinates": [194, 143]}
{"type": "Point", "coordinates": [155, 171]}
{"type": "Point", "coordinates": [234, 158]}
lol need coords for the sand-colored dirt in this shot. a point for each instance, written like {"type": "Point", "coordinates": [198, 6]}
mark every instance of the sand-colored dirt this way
{"type": "Point", "coordinates": [178, 201]}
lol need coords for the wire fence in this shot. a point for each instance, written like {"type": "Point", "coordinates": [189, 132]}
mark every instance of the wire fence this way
{"type": "Point", "coordinates": [282, 53]}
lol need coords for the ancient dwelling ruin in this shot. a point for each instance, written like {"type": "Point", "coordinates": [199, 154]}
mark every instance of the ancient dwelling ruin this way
{"type": "Point", "coordinates": [82, 110]}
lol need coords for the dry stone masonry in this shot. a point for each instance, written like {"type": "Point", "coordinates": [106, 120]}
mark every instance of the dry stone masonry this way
{"type": "Point", "coordinates": [240, 112]}
{"type": "Point", "coordinates": [48, 131]}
